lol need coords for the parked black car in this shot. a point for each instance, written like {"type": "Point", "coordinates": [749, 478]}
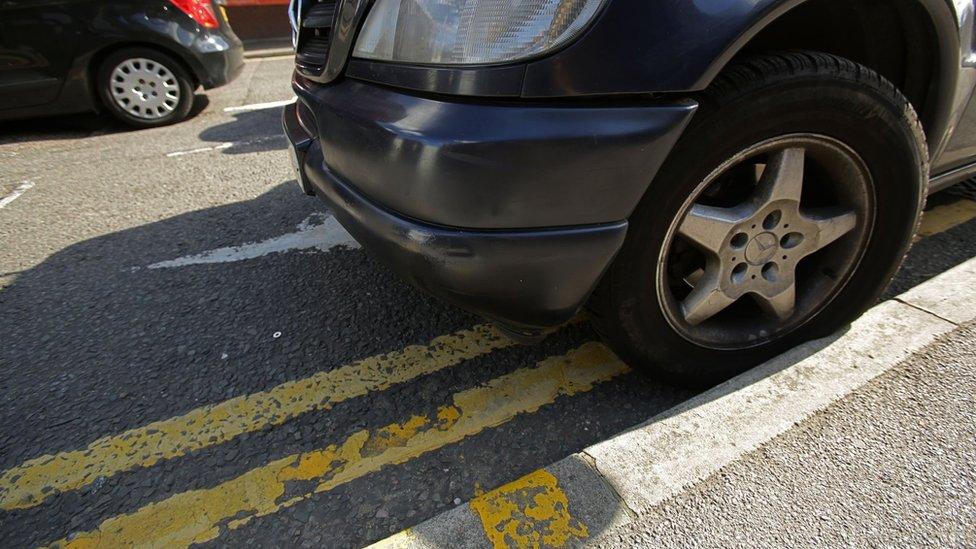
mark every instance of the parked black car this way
{"type": "Point", "coordinates": [140, 60]}
{"type": "Point", "coordinates": [718, 180]}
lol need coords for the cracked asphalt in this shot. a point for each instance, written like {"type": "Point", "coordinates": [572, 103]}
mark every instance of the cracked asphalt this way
{"type": "Point", "coordinates": [96, 346]}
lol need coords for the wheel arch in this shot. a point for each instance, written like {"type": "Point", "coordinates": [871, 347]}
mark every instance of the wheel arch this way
{"type": "Point", "coordinates": [927, 75]}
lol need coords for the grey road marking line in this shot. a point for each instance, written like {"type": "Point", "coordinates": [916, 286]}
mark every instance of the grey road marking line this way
{"type": "Point", "coordinates": [17, 192]}
{"type": "Point", "coordinates": [323, 236]}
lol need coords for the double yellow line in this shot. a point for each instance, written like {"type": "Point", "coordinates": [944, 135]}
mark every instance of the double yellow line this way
{"type": "Point", "coordinates": [201, 515]}
{"type": "Point", "coordinates": [30, 483]}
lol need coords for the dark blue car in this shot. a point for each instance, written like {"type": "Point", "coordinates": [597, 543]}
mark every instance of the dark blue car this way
{"type": "Point", "coordinates": [715, 180]}
{"type": "Point", "coordinates": [139, 60]}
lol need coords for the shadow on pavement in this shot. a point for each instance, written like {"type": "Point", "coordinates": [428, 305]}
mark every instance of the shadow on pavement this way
{"type": "Point", "coordinates": [95, 343]}
{"type": "Point", "coordinates": [75, 125]}
{"type": "Point", "coordinates": [935, 254]}
{"type": "Point", "coordinates": [56, 128]}
{"type": "Point", "coordinates": [248, 132]}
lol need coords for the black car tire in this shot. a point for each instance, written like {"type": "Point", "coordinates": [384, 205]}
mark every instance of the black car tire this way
{"type": "Point", "coordinates": [753, 100]}
{"type": "Point", "coordinates": [183, 81]}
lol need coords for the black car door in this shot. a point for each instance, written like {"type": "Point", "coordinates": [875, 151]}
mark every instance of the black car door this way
{"type": "Point", "coordinates": [38, 39]}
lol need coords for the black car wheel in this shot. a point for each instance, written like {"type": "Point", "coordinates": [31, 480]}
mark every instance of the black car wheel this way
{"type": "Point", "coordinates": [144, 87]}
{"type": "Point", "coordinates": [783, 212]}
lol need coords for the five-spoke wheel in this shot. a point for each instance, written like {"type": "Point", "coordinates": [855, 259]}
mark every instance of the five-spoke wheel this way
{"type": "Point", "coordinates": [780, 215]}
{"type": "Point", "coordinates": [747, 232]}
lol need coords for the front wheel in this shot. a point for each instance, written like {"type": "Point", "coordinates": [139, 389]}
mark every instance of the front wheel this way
{"type": "Point", "coordinates": [144, 87]}
{"type": "Point", "coordinates": [781, 215]}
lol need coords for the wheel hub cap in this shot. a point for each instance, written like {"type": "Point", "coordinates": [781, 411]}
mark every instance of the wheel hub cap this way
{"type": "Point", "coordinates": [761, 248]}
{"type": "Point", "coordinates": [754, 247]}
{"type": "Point", "coordinates": [144, 88]}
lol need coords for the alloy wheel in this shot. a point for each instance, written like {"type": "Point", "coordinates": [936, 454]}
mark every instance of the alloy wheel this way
{"type": "Point", "coordinates": [766, 241]}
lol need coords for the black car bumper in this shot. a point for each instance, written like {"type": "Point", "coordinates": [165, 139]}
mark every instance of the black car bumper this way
{"type": "Point", "coordinates": [510, 211]}
{"type": "Point", "coordinates": [216, 58]}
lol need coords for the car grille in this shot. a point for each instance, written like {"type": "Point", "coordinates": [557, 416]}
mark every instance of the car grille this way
{"type": "Point", "coordinates": [314, 37]}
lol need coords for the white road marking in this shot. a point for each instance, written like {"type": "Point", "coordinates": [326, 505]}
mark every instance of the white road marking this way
{"type": "Point", "coordinates": [227, 145]}
{"type": "Point", "coordinates": [201, 149]}
{"type": "Point", "coordinates": [260, 106]}
{"type": "Point", "coordinates": [21, 189]}
{"type": "Point", "coordinates": [322, 235]}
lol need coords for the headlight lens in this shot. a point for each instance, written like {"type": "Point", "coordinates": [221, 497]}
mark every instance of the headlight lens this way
{"type": "Point", "coordinates": [469, 32]}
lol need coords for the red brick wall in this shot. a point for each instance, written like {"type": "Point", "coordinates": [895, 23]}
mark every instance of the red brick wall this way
{"type": "Point", "coordinates": [259, 19]}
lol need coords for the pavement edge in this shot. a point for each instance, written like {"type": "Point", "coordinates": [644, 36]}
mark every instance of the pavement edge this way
{"type": "Point", "coordinates": [610, 483]}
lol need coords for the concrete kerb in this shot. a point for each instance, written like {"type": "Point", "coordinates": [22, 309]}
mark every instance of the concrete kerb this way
{"type": "Point", "coordinates": [611, 482]}
{"type": "Point", "coordinates": [269, 52]}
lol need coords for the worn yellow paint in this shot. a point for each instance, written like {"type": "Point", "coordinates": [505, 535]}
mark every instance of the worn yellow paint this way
{"type": "Point", "coordinates": [28, 484]}
{"type": "Point", "coordinates": [944, 217]}
{"type": "Point", "coordinates": [529, 512]}
{"type": "Point", "coordinates": [201, 515]}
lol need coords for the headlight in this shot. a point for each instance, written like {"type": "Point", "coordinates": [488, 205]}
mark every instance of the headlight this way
{"type": "Point", "coordinates": [469, 32]}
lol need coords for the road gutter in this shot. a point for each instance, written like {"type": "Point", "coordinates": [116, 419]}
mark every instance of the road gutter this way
{"type": "Point", "coordinates": [611, 483]}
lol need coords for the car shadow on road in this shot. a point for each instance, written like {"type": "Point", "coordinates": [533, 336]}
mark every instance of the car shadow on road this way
{"type": "Point", "coordinates": [248, 132]}
{"type": "Point", "coordinates": [96, 343]}
{"type": "Point", "coordinates": [75, 125]}
{"type": "Point", "coordinates": [56, 128]}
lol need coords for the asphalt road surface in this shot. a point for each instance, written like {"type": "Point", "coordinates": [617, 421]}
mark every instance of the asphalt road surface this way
{"type": "Point", "coordinates": [194, 352]}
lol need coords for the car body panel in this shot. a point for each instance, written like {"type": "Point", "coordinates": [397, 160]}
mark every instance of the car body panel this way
{"type": "Point", "coordinates": [93, 28]}
{"type": "Point", "coordinates": [678, 47]}
{"type": "Point", "coordinates": [38, 42]}
{"type": "Point", "coordinates": [452, 174]}
{"type": "Point", "coordinates": [493, 166]}
{"type": "Point", "coordinates": [524, 280]}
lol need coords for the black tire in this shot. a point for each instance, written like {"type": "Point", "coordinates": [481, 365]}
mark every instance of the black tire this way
{"type": "Point", "coordinates": [184, 82]}
{"type": "Point", "coordinates": [751, 101]}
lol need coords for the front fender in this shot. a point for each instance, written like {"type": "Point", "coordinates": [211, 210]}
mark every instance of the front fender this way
{"type": "Point", "coordinates": [680, 46]}
{"type": "Point", "coordinates": [677, 46]}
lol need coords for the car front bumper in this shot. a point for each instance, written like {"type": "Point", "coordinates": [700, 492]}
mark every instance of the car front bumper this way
{"type": "Point", "coordinates": [511, 211]}
{"type": "Point", "coordinates": [217, 58]}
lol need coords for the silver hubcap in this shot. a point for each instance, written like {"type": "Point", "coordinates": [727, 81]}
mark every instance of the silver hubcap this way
{"type": "Point", "coordinates": [758, 242]}
{"type": "Point", "coordinates": [144, 88]}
